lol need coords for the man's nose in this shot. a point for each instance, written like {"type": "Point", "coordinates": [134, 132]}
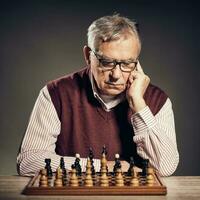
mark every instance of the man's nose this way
{"type": "Point", "coordinates": [116, 73]}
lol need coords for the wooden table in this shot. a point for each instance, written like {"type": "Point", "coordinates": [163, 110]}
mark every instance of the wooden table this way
{"type": "Point", "coordinates": [179, 187]}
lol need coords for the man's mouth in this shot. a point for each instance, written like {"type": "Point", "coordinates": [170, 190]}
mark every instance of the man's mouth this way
{"type": "Point", "coordinates": [114, 84]}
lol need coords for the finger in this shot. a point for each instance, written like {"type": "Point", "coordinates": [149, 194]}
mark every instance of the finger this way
{"type": "Point", "coordinates": [139, 67]}
{"type": "Point", "coordinates": [133, 75]}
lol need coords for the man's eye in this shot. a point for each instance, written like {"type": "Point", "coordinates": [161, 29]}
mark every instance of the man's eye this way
{"type": "Point", "coordinates": [107, 63]}
{"type": "Point", "coordinates": [130, 65]}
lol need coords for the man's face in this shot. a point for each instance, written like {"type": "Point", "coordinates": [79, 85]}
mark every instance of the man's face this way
{"type": "Point", "coordinates": [113, 82]}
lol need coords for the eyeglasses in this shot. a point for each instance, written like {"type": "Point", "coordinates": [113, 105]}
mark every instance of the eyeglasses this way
{"type": "Point", "coordinates": [108, 65]}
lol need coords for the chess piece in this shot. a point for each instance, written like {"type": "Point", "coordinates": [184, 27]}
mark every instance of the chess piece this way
{"type": "Point", "coordinates": [103, 163]}
{"type": "Point", "coordinates": [119, 180]}
{"type": "Point", "coordinates": [77, 165]}
{"type": "Point", "coordinates": [88, 177]}
{"type": "Point", "coordinates": [132, 164]}
{"type": "Point", "coordinates": [73, 179]}
{"type": "Point", "coordinates": [145, 164]}
{"type": "Point", "coordinates": [150, 177]}
{"type": "Point", "coordinates": [134, 178]}
{"type": "Point", "coordinates": [48, 167]}
{"type": "Point", "coordinates": [43, 178]}
{"type": "Point", "coordinates": [64, 171]}
{"type": "Point", "coordinates": [104, 150]}
{"type": "Point", "coordinates": [104, 181]}
{"type": "Point", "coordinates": [62, 164]}
{"type": "Point", "coordinates": [58, 181]}
{"type": "Point", "coordinates": [103, 158]}
{"type": "Point", "coordinates": [117, 163]}
{"type": "Point", "coordinates": [91, 156]}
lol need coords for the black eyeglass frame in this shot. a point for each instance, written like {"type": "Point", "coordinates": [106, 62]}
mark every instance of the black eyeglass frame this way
{"type": "Point", "coordinates": [115, 63]}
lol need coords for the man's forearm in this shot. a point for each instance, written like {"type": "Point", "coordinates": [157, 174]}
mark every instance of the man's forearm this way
{"type": "Point", "coordinates": [40, 138]}
{"type": "Point", "coordinates": [29, 163]}
{"type": "Point", "coordinates": [155, 138]}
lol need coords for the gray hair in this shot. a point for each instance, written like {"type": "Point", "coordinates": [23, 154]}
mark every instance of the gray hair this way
{"type": "Point", "coordinates": [109, 28]}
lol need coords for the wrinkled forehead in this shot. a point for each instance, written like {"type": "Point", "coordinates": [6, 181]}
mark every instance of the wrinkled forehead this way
{"type": "Point", "coordinates": [123, 48]}
{"type": "Point", "coordinates": [120, 36]}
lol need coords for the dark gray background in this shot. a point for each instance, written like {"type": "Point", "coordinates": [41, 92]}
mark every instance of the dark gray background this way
{"type": "Point", "coordinates": [42, 40]}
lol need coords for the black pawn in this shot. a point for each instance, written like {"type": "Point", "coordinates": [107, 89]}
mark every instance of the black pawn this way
{"type": "Point", "coordinates": [91, 157]}
{"type": "Point", "coordinates": [132, 164]}
{"type": "Point", "coordinates": [64, 171]}
{"type": "Point", "coordinates": [145, 165]}
{"type": "Point", "coordinates": [48, 167]}
{"type": "Point", "coordinates": [73, 166]}
{"type": "Point", "coordinates": [62, 164]}
{"type": "Point", "coordinates": [77, 165]}
{"type": "Point", "coordinates": [104, 150]}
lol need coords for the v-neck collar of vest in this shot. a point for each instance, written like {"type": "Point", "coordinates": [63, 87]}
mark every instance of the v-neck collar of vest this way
{"type": "Point", "coordinates": [106, 115]}
{"type": "Point", "coordinates": [107, 103]}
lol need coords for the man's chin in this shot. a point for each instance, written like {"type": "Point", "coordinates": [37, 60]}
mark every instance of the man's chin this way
{"type": "Point", "coordinates": [111, 92]}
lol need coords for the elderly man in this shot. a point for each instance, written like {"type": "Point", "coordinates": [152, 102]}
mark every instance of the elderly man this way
{"type": "Point", "coordinates": [109, 102]}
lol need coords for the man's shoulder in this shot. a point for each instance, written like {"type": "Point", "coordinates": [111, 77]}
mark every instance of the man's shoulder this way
{"type": "Point", "coordinates": [155, 98]}
{"type": "Point", "coordinates": [67, 88]}
{"type": "Point", "coordinates": [69, 80]}
{"type": "Point", "coordinates": [154, 90]}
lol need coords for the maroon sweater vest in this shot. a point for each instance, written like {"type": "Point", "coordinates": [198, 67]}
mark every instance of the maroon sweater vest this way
{"type": "Point", "coordinates": [85, 124]}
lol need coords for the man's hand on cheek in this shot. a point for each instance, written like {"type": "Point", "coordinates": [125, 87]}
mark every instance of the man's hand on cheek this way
{"type": "Point", "coordinates": [136, 87]}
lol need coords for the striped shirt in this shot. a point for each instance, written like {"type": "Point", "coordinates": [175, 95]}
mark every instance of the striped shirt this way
{"type": "Point", "coordinates": [155, 137]}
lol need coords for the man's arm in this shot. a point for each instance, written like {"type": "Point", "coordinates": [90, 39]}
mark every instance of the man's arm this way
{"type": "Point", "coordinates": [155, 138]}
{"type": "Point", "coordinates": [40, 138]}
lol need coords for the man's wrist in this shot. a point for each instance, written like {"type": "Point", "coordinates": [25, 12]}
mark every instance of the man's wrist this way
{"type": "Point", "coordinates": [143, 120]}
{"type": "Point", "coordinates": [137, 104]}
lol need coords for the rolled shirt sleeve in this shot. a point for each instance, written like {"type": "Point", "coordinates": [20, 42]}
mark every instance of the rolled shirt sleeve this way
{"type": "Point", "coordinates": [155, 138]}
{"type": "Point", "coordinates": [40, 138]}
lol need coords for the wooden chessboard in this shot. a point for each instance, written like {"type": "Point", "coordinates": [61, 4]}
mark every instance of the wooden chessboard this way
{"type": "Point", "coordinates": [156, 189]}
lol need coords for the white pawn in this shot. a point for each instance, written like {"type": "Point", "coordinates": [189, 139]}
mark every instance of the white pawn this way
{"type": "Point", "coordinates": [134, 179]}
{"type": "Point", "coordinates": [119, 180]}
{"type": "Point", "coordinates": [43, 178]}
{"type": "Point", "coordinates": [58, 181]}
{"type": "Point", "coordinates": [150, 177]}
{"type": "Point", "coordinates": [73, 179]}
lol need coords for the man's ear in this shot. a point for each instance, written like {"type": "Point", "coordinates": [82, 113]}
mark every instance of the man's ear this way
{"type": "Point", "coordinates": [86, 53]}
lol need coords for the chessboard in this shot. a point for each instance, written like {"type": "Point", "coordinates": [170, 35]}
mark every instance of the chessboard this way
{"type": "Point", "coordinates": [156, 188]}
{"type": "Point", "coordinates": [91, 182]}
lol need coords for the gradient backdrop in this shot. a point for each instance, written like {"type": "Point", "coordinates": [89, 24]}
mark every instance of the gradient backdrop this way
{"type": "Point", "coordinates": [42, 40]}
